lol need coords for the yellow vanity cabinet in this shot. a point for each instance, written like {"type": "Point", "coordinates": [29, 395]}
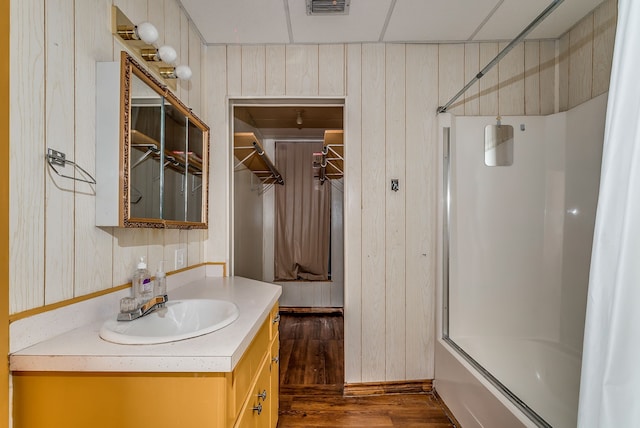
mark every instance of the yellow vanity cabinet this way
{"type": "Point", "coordinates": [49, 399]}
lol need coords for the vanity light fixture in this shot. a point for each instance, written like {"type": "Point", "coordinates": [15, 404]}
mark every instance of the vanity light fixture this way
{"type": "Point", "coordinates": [182, 72]}
{"type": "Point", "coordinates": [299, 118]}
{"type": "Point", "coordinates": [164, 53]}
{"type": "Point", "coordinates": [144, 31]}
{"type": "Point", "coordinates": [141, 41]}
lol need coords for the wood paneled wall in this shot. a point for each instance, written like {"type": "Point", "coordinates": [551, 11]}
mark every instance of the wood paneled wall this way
{"type": "Point", "coordinates": [392, 92]}
{"type": "Point", "coordinates": [585, 56]}
{"type": "Point", "coordinates": [56, 251]}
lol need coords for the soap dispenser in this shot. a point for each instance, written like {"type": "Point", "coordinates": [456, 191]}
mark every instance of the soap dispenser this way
{"type": "Point", "coordinates": [142, 284]}
{"type": "Point", "coordinates": [160, 287]}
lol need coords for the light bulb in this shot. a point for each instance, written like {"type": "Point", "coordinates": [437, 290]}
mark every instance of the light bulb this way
{"type": "Point", "coordinates": [299, 118]}
{"type": "Point", "coordinates": [167, 54]}
{"type": "Point", "coordinates": [147, 32]}
{"type": "Point", "coordinates": [183, 72]}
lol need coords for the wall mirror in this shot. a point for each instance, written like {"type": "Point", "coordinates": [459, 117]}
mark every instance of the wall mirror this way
{"type": "Point", "coordinates": [164, 155]}
{"type": "Point", "coordinates": [498, 145]}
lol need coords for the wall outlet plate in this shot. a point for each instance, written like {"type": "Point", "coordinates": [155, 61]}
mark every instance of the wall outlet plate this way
{"type": "Point", "coordinates": [181, 258]}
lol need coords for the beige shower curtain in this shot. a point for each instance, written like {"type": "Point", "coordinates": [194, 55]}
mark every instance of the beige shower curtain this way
{"type": "Point", "coordinates": [303, 214]}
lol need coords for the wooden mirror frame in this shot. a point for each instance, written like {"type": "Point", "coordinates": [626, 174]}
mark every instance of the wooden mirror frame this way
{"type": "Point", "coordinates": [129, 68]}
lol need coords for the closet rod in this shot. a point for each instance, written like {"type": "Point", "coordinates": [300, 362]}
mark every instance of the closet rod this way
{"type": "Point", "coordinates": [267, 161]}
{"type": "Point", "coordinates": [554, 4]}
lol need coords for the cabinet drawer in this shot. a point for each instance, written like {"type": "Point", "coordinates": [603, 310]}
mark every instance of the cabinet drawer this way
{"type": "Point", "coordinates": [248, 367]}
{"type": "Point", "coordinates": [256, 412]}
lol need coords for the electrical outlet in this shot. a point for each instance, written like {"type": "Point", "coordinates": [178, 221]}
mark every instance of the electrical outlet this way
{"type": "Point", "coordinates": [181, 259]}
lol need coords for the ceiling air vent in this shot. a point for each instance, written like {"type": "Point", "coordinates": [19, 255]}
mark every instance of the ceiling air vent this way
{"type": "Point", "coordinates": [328, 7]}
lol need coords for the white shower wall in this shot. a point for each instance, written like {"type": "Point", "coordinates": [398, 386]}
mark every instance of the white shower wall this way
{"type": "Point", "coordinates": [521, 235]}
{"type": "Point", "coordinates": [520, 246]}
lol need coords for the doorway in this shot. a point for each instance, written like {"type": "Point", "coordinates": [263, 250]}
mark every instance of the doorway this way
{"type": "Point", "coordinates": [257, 127]}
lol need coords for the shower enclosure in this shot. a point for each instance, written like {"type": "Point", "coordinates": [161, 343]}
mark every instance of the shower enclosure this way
{"type": "Point", "coordinates": [519, 199]}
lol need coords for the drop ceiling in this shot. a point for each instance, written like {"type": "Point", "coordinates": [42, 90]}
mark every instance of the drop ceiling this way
{"type": "Point", "coordinates": [286, 21]}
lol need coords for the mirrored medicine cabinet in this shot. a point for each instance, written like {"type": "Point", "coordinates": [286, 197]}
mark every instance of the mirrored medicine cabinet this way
{"type": "Point", "coordinates": [151, 152]}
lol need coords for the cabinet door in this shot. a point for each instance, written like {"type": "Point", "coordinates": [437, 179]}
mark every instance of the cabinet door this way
{"type": "Point", "coordinates": [256, 410]}
{"type": "Point", "coordinates": [274, 356]}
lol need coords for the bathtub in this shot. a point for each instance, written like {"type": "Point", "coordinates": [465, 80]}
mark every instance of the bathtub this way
{"type": "Point", "coordinates": [543, 374]}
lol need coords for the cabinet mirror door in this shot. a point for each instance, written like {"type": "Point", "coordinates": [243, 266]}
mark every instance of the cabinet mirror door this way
{"type": "Point", "coordinates": [145, 190]}
{"type": "Point", "coordinates": [165, 157]}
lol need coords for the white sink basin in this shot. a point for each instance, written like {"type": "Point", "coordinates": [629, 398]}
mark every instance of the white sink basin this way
{"type": "Point", "coordinates": [180, 319]}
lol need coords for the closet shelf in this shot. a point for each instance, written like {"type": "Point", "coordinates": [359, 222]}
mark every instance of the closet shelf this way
{"type": "Point", "coordinates": [249, 153]}
{"type": "Point", "coordinates": [332, 166]}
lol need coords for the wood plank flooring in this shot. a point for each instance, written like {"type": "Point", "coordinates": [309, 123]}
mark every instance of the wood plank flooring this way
{"type": "Point", "coordinates": [312, 380]}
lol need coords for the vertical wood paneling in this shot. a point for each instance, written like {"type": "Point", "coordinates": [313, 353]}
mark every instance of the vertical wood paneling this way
{"type": "Point", "coordinates": [253, 70]}
{"type": "Point", "coordinates": [194, 247]}
{"type": "Point", "coordinates": [511, 73]}
{"type": "Point", "coordinates": [604, 33]}
{"type": "Point", "coordinates": [135, 10]}
{"type": "Point", "coordinates": [581, 62]}
{"type": "Point", "coordinates": [421, 173]}
{"type": "Point", "coordinates": [373, 213]}
{"type": "Point", "coordinates": [489, 83]}
{"type": "Point", "coordinates": [184, 86]}
{"type": "Point", "coordinates": [471, 69]}
{"type": "Point", "coordinates": [331, 70]}
{"type": "Point", "coordinates": [128, 246]}
{"type": "Point", "coordinates": [93, 252]}
{"type": "Point", "coordinates": [26, 211]}
{"type": "Point", "coordinates": [234, 70]}
{"type": "Point", "coordinates": [563, 72]}
{"type": "Point", "coordinates": [275, 76]}
{"type": "Point", "coordinates": [532, 78]}
{"type": "Point", "coordinates": [172, 16]}
{"type": "Point", "coordinates": [195, 85]}
{"type": "Point", "coordinates": [156, 15]}
{"type": "Point", "coordinates": [302, 70]}
{"type": "Point", "coordinates": [451, 75]}
{"type": "Point", "coordinates": [547, 77]}
{"type": "Point", "coordinates": [353, 217]}
{"type": "Point", "coordinates": [59, 134]}
{"type": "Point", "coordinates": [155, 251]}
{"type": "Point", "coordinates": [217, 246]}
{"type": "Point", "coordinates": [394, 219]}
{"type": "Point", "coordinates": [5, 117]}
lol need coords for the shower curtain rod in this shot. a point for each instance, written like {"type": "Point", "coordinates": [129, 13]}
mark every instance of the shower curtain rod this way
{"type": "Point", "coordinates": [554, 4]}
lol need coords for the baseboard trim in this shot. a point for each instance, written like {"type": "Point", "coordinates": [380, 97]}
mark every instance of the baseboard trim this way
{"type": "Point", "coordinates": [396, 387]}
{"type": "Point", "coordinates": [295, 310]}
{"type": "Point", "coordinates": [446, 410]}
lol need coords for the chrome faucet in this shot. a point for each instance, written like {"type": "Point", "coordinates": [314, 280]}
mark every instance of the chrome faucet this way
{"type": "Point", "coordinates": [146, 308]}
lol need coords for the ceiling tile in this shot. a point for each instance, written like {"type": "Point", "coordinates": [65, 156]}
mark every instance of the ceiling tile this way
{"type": "Point", "coordinates": [441, 20]}
{"type": "Point", "coordinates": [514, 15]}
{"type": "Point", "coordinates": [239, 21]}
{"type": "Point", "coordinates": [564, 17]}
{"type": "Point", "coordinates": [363, 23]}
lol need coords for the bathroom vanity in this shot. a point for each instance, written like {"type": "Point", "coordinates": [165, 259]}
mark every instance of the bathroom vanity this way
{"type": "Point", "coordinates": [227, 378]}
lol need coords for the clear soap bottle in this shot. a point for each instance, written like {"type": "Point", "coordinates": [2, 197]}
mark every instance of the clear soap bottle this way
{"type": "Point", "coordinates": [160, 287]}
{"type": "Point", "coordinates": [142, 283]}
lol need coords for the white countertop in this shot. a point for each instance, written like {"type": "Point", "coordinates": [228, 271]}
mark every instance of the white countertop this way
{"type": "Point", "coordinates": [83, 350]}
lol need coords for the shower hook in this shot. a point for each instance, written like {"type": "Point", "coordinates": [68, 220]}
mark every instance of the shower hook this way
{"type": "Point", "coordinates": [55, 157]}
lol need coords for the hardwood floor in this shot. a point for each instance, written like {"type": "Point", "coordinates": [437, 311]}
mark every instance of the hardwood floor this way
{"type": "Point", "coordinates": [312, 380]}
